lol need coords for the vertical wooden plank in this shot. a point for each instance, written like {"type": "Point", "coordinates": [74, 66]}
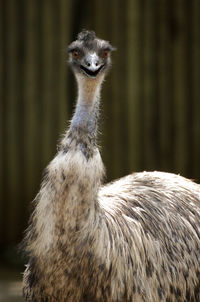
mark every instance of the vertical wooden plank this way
{"type": "Point", "coordinates": [141, 124]}
{"type": "Point", "coordinates": [196, 87]}
{"type": "Point", "coordinates": [134, 74]}
{"type": "Point", "coordinates": [122, 121]}
{"type": "Point", "coordinates": [2, 118]}
{"type": "Point", "coordinates": [180, 89]}
{"type": "Point", "coordinates": [119, 92]}
{"type": "Point", "coordinates": [100, 25]}
{"type": "Point", "coordinates": [64, 95]}
{"type": "Point", "coordinates": [32, 100]}
{"type": "Point", "coordinates": [151, 117]}
{"type": "Point", "coordinates": [18, 201]}
{"type": "Point", "coordinates": [123, 75]}
{"type": "Point", "coordinates": [2, 53]}
{"type": "Point", "coordinates": [48, 116]}
{"type": "Point", "coordinates": [116, 133]}
{"type": "Point", "coordinates": [104, 31]}
{"type": "Point", "coordinates": [189, 119]}
{"type": "Point", "coordinates": [89, 16]}
{"type": "Point", "coordinates": [11, 143]}
{"type": "Point", "coordinates": [165, 81]}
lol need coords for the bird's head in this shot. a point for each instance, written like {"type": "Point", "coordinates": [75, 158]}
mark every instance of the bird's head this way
{"type": "Point", "coordinates": [90, 56]}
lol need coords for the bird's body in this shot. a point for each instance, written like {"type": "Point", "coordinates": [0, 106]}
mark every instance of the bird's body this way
{"type": "Point", "coordinates": [134, 240]}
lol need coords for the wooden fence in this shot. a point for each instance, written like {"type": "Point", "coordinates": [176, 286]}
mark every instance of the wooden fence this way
{"type": "Point", "coordinates": [150, 103]}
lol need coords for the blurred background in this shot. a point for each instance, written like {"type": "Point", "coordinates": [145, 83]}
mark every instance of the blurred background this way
{"type": "Point", "coordinates": [150, 102]}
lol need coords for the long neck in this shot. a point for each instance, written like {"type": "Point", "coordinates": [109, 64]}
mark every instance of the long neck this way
{"type": "Point", "coordinates": [82, 158]}
{"type": "Point", "coordinates": [87, 108]}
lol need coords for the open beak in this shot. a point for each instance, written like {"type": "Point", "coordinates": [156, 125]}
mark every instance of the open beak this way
{"type": "Point", "coordinates": [91, 65]}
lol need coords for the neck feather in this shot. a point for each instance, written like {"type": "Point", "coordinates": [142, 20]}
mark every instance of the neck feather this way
{"type": "Point", "coordinates": [87, 108]}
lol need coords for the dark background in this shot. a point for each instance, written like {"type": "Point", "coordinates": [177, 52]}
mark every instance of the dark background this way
{"type": "Point", "coordinates": [150, 102]}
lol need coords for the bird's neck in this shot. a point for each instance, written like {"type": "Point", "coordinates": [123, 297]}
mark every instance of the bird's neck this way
{"type": "Point", "coordinates": [87, 108]}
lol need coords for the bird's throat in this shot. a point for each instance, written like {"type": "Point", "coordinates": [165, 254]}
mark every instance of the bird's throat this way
{"type": "Point", "coordinates": [87, 108]}
{"type": "Point", "coordinates": [88, 89]}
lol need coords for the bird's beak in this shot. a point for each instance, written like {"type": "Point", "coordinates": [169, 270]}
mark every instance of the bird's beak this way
{"type": "Point", "coordinates": [92, 62]}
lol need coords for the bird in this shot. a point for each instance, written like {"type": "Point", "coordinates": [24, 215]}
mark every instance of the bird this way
{"type": "Point", "coordinates": [136, 239]}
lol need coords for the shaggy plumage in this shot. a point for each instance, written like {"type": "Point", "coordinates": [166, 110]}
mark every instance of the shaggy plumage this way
{"type": "Point", "coordinates": [135, 240]}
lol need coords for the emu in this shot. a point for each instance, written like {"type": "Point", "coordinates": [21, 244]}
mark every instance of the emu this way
{"type": "Point", "coordinates": [136, 239]}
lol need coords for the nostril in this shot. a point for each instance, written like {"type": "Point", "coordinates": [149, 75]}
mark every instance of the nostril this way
{"type": "Point", "coordinates": [88, 64]}
{"type": "Point", "coordinates": [97, 63]}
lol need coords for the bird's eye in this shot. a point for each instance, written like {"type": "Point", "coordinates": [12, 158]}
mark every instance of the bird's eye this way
{"type": "Point", "coordinates": [75, 54]}
{"type": "Point", "coordinates": [105, 54]}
